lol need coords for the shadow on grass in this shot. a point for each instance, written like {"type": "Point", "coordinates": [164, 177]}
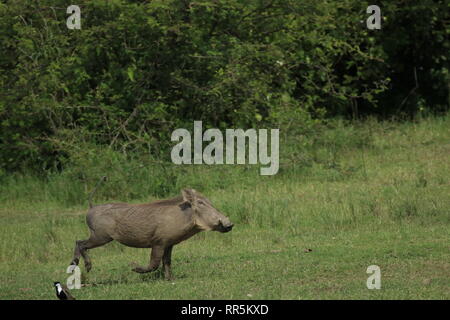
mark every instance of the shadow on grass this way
{"type": "Point", "coordinates": [147, 277]}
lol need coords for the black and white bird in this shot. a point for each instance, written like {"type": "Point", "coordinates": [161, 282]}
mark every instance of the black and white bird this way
{"type": "Point", "coordinates": [62, 292]}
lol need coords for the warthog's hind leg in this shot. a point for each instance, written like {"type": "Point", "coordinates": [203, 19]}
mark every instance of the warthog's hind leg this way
{"type": "Point", "coordinates": [155, 260]}
{"type": "Point", "coordinates": [76, 254]}
{"type": "Point", "coordinates": [81, 247]}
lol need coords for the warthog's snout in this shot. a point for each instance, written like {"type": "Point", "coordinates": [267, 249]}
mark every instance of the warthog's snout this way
{"type": "Point", "coordinates": [226, 225]}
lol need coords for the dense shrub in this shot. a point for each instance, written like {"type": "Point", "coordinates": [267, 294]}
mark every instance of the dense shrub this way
{"type": "Point", "coordinates": [138, 69]}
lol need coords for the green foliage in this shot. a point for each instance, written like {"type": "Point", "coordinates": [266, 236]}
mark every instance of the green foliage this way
{"type": "Point", "coordinates": [139, 69]}
{"type": "Point", "coordinates": [415, 42]}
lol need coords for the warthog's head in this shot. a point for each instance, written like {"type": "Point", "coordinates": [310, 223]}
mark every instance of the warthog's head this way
{"type": "Point", "coordinates": [205, 215]}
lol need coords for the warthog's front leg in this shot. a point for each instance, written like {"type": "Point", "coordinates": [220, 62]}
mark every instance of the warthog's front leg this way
{"type": "Point", "coordinates": [155, 260]}
{"type": "Point", "coordinates": [167, 259]}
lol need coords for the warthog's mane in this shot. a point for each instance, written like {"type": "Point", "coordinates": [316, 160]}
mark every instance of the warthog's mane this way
{"type": "Point", "coordinates": [165, 202]}
{"type": "Point", "coordinates": [159, 203]}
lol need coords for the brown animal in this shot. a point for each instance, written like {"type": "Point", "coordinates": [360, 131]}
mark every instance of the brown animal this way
{"type": "Point", "coordinates": [158, 225]}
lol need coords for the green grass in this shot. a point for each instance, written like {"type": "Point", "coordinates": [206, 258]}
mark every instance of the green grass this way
{"type": "Point", "coordinates": [356, 194]}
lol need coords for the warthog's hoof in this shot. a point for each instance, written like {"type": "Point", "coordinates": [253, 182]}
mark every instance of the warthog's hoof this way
{"type": "Point", "coordinates": [140, 270]}
{"type": "Point", "coordinates": [88, 266]}
{"type": "Point", "coordinates": [137, 268]}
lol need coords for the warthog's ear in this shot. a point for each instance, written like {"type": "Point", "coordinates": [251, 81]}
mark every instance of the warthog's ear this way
{"type": "Point", "coordinates": [188, 195]}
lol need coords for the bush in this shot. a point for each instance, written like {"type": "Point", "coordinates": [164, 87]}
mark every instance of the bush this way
{"type": "Point", "coordinates": [139, 69]}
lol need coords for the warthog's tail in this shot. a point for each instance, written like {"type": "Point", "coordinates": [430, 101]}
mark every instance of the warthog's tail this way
{"type": "Point", "coordinates": [95, 189]}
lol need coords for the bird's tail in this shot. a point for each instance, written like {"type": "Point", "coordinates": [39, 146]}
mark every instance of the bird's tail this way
{"type": "Point", "coordinates": [95, 189]}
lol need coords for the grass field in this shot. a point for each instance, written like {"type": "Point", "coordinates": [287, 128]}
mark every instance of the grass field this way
{"type": "Point", "coordinates": [358, 195]}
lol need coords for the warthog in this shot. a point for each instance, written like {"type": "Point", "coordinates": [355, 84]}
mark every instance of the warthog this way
{"type": "Point", "coordinates": [158, 225]}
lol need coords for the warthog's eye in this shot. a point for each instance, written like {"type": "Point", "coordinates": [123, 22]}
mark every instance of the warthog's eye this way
{"type": "Point", "coordinates": [201, 203]}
